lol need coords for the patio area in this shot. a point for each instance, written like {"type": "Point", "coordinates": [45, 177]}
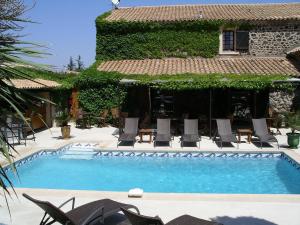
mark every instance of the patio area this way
{"type": "Point", "coordinates": [107, 138]}
{"type": "Point", "coordinates": [227, 209]}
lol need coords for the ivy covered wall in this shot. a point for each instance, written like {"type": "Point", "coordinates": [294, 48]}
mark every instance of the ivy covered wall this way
{"type": "Point", "coordinates": [140, 40]}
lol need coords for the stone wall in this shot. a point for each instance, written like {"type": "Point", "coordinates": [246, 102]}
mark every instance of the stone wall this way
{"type": "Point", "coordinates": [273, 40]}
{"type": "Point", "coordinates": [282, 102]}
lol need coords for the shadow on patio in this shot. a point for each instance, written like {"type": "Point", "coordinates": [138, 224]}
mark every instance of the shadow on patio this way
{"type": "Point", "coordinates": [244, 220]}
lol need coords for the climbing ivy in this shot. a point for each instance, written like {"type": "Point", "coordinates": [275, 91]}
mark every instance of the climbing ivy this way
{"type": "Point", "coordinates": [93, 77]}
{"type": "Point", "coordinates": [140, 40]}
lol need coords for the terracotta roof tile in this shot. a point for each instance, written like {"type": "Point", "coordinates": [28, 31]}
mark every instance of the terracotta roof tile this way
{"type": "Point", "coordinates": [35, 84]}
{"type": "Point", "coordinates": [225, 65]}
{"type": "Point", "coordinates": [280, 11]}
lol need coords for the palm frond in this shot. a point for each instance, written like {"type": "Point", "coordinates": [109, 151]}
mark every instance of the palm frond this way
{"type": "Point", "coordinates": [13, 54]}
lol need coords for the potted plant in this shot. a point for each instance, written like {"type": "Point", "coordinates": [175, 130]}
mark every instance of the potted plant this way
{"type": "Point", "coordinates": [62, 119]}
{"type": "Point", "coordinates": [293, 120]}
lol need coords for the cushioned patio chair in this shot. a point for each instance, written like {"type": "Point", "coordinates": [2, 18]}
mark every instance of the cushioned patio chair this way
{"type": "Point", "coordinates": [191, 132]}
{"type": "Point", "coordinates": [81, 215]}
{"type": "Point", "coordinates": [130, 131]}
{"type": "Point", "coordinates": [225, 132]}
{"type": "Point", "coordinates": [136, 219]}
{"type": "Point", "coordinates": [262, 133]}
{"type": "Point", "coordinates": [163, 132]}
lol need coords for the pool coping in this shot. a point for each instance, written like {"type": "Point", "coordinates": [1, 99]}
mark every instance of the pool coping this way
{"type": "Point", "coordinates": [278, 198]}
{"type": "Point", "coordinates": [169, 196]}
{"type": "Point", "coordinates": [289, 153]}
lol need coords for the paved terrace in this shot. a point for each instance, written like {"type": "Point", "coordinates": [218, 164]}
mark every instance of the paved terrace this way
{"type": "Point", "coordinates": [228, 209]}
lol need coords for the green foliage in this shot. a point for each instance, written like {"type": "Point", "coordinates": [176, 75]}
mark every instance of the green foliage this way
{"type": "Point", "coordinates": [160, 44]}
{"type": "Point", "coordinates": [61, 98]}
{"type": "Point", "coordinates": [13, 51]}
{"type": "Point", "coordinates": [215, 81]}
{"type": "Point", "coordinates": [62, 118]}
{"type": "Point", "coordinates": [105, 96]}
{"type": "Point", "coordinates": [102, 90]}
{"type": "Point", "coordinates": [293, 120]}
{"type": "Point", "coordinates": [124, 27]}
{"type": "Point", "coordinates": [93, 77]}
{"type": "Point", "coordinates": [98, 91]}
{"type": "Point", "coordinates": [139, 40]}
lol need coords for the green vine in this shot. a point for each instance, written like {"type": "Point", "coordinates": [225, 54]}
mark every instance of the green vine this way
{"type": "Point", "coordinates": [93, 77]}
{"type": "Point", "coordinates": [140, 40]}
{"type": "Point", "coordinates": [104, 97]}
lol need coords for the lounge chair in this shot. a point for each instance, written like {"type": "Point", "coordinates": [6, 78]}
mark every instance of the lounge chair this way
{"type": "Point", "coordinates": [130, 130]}
{"type": "Point", "coordinates": [81, 215]}
{"type": "Point", "coordinates": [225, 132]}
{"type": "Point", "coordinates": [136, 219]}
{"type": "Point", "coordinates": [163, 132]}
{"type": "Point", "coordinates": [191, 133]}
{"type": "Point", "coordinates": [261, 131]}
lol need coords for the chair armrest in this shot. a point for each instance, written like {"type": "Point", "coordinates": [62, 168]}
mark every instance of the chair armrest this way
{"type": "Point", "coordinates": [45, 219]}
{"type": "Point", "coordinates": [69, 200]}
{"type": "Point", "coordinates": [88, 219]}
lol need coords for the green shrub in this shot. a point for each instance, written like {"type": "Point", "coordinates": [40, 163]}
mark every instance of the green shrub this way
{"type": "Point", "coordinates": [105, 96]}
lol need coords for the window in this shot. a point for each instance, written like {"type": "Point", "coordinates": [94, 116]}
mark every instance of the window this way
{"type": "Point", "coordinates": [242, 40]}
{"type": "Point", "coordinates": [228, 40]}
{"type": "Point", "coordinates": [234, 41]}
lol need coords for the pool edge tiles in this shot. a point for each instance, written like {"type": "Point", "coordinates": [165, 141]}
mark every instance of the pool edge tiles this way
{"type": "Point", "coordinates": [160, 153]}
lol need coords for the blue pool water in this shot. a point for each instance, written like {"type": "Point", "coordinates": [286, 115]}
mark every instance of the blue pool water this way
{"type": "Point", "coordinates": [273, 175]}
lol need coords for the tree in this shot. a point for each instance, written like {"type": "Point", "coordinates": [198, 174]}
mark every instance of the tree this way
{"type": "Point", "coordinates": [12, 53]}
{"type": "Point", "coordinates": [80, 65]}
{"type": "Point", "coordinates": [71, 66]}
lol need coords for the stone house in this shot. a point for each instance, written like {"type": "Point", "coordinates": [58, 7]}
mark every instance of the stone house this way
{"type": "Point", "coordinates": [269, 45]}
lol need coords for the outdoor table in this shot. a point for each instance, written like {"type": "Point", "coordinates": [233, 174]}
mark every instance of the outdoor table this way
{"type": "Point", "coordinates": [143, 132]}
{"type": "Point", "coordinates": [247, 132]}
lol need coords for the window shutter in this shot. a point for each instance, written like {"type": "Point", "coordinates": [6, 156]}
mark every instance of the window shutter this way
{"type": "Point", "coordinates": [242, 40]}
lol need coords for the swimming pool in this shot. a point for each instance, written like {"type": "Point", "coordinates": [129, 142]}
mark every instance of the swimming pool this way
{"type": "Point", "coordinates": [86, 169]}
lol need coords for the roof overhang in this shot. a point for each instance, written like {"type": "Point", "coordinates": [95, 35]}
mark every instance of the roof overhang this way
{"type": "Point", "coordinates": [34, 84]}
{"type": "Point", "coordinates": [218, 65]}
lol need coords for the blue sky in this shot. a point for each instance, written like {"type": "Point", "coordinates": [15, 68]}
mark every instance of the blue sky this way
{"type": "Point", "coordinates": [67, 27]}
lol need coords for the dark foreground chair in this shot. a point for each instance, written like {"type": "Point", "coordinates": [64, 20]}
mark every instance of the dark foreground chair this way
{"type": "Point", "coordinates": [225, 132]}
{"type": "Point", "coordinates": [163, 133]}
{"type": "Point", "coordinates": [136, 219]}
{"type": "Point", "coordinates": [191, 132]}
{"type": "Point", "coordinates": [130, 130]}
{"type": "Point", "coordinates": [81, 215]}
{"type": "Point", "coordinates": [262, 133]}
